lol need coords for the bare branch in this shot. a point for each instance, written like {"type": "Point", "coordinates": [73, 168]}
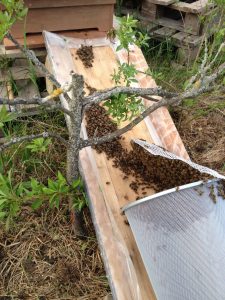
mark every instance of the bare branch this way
{"type": "Point", "coordinates": [204, 68]}
{"type": "Point", "coordinates": [216, 56]}
{"type": "Point", "coordinates": [31, 137]}
{"type": "Point", "coordinates": [106, 94]}
{"type": "Point", "coordinates": [212, 78]}
{"type": "Point", "coordinates": [38, 101]}
{"type": "Point", "coordinates": [151, 99]}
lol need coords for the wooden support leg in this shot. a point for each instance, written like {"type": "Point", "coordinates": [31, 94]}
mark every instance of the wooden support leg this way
{"type": "Point", "coordinates": [187, 55]}
{"type": "Point", "coordinates": [149, 10]}
{"type": "Point", "coordinates": [192, 24]}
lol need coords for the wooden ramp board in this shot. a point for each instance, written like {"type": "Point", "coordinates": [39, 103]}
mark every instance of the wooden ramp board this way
{"type": "Point", "coordinates": [127, 275]}
{"type": "Point", "coordinates": [126, 272]}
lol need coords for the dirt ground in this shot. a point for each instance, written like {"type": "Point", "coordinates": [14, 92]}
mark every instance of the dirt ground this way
{"type": "Point", "coordinates": [40, 258]}
{"type": "Point", "coordinates": [202, 129]}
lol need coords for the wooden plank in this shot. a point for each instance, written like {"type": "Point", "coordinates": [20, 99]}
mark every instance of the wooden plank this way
{"type": "Point", "coordinates": [34, 41]}
{"type": "Point", "coordinates": [179, 25]}
{"type": "Point", "coordinates": [17, 73]}
{"type": "Point", "coordinates": [126, 272]}
{"type": "Point", "coordinates": [192, 23]}
{"type": "Point", "coordinates": [164, 32]}
{"type": "Point", "coordinates": [187, 55]}
{"type": "Point", "coordinates": [170, 23]}
{"type": "Point", "coordinates": [149, 10]}
{"type": "Point", "coordinates": [80, 17]}
{"type": "Point", "coordinates": [100, 77]}
{"type": "Point", "coordinates": [49, 84]}
{"type": "Point", "coordinates": [62, 3]}
{"type": "Point", "coordinates": [181, 39]}
{"type": "Point", "coordinates": [160, 2]}
{"type": "Point", "coordinates": [200, 6]}
{"type": "Point", "coordinates": [17, 54]}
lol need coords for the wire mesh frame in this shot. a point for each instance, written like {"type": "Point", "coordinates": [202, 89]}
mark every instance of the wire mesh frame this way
{"type": "Point", "coordinates": [181, 237]}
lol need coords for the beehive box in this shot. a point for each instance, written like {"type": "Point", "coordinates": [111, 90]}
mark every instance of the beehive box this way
{"type": "Point", "coordinates": [65, 15]}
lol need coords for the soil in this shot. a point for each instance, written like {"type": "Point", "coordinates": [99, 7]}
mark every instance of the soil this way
{"type": "Point", "coordinates": [148, 170]}
{"type": "Point", "coordinates": [40, 258]}
{"type": "Point", "coordinates": [85, 53]}
{"type": "Point", "coordinates": [203, 135]}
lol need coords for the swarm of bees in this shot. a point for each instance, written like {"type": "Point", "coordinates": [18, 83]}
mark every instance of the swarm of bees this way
{"type": "Point", "coordinates": [149, 171]}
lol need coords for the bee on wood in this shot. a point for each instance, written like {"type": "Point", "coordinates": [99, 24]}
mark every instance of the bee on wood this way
{"type": "Point", "coordinates": [111, 34]}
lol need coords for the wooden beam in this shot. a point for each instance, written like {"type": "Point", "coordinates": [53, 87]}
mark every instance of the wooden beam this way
{"type": "Point", "coordinates": [160, 2]}
{"type": "Point", "coordinates": [192, 23]}
{"type": "Point", "coordinates": [62, 3]}
{"type": "Point", "coordinates": [17, 73]}
{"type": "Point", "coordinates": [200, 6]}
{"type": "Point", "coordinates": [34, 41]}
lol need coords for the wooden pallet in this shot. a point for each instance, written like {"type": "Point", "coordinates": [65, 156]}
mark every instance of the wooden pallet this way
{"type": "Point", "coordinates": [188, 45]}
{"type": "Point", "coordinates": [177, 38]}
{"type": "Point", "coordinates": [182, 16]}
{"type": "Point", "coordinates": [15, 80]}
{"type": "Point", "coordinates": [18, 68]}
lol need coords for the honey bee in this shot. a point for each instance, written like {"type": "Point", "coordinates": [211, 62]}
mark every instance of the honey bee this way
{"type": "Point", "coordinates": [111, 34]}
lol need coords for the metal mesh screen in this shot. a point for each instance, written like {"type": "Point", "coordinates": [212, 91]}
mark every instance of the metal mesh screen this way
{"type": "Point", "coordinates": [181, 238]}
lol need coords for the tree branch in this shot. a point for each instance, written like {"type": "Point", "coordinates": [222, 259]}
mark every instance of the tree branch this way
{"type": "Point", "coordinates": [204, 67]}
{"type": "Point", "coordinates": [118, 132]}
{"type": "Point", "coordinates": [35, 101]}
{"type": "Point", "coordinates": [106, 94]}
{"type": "Point", "coordinates": [31, 137]}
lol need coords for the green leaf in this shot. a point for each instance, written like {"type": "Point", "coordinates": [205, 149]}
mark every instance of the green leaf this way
{"type": "Point", "coordinates": [37, 204]}
{"type": "Point", "coordinates": [48, 191]}
{"type": "Point", "coordinates": [54, 201]}
{"type": "Point", "coordinates": [2, 201]}
{"type": "Point", "coordinates": [14, 208]}
{"type": "Point", "coordinates": [2, 214]}
{"type": "Point", "coordinates": [76, 183]}
{"type": "Point", "coordinates": [61, 178]}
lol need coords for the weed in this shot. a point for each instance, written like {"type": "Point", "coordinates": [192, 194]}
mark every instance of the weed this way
{"type": "Point", "coordinates": [13, 10]}
{"type": "Point", "coordinates": [122, 106]}
{"type": "Point", "coordinates": [14, 195]}
{"type": "Point", "coordinates": [39, 145]}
